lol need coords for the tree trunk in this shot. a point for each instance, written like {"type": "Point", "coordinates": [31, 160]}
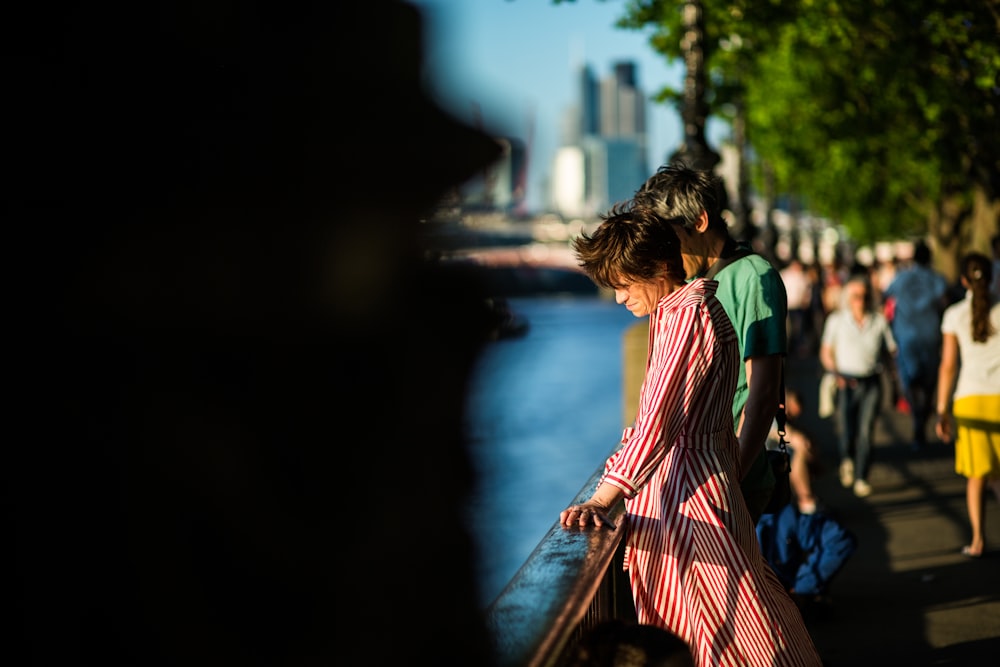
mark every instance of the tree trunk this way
{"type": "Point", "coordinates": [695, 151]}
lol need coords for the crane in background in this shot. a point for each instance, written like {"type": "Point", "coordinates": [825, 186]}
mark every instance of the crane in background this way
{"type": "Point", "coordinates": [489, 173]}
{"type": "Point", "coordinates": [521, 176]}
{"type": "Point", "coordinates": [515, 160]}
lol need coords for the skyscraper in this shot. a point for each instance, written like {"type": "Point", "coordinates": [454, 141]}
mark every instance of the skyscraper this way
{"type": "Point", "coordinates": [608, 142]}
{"type": "Point", "coordinates": [589, 103]}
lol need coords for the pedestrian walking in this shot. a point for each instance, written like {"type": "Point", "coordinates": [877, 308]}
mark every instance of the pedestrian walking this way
{"type": "Point", "coordinates": [798, 289]}
{"type": "Point", "coordinates": [918, 295]}
{"type": "Point", "coordinates": [857, 346]}
{"type": "Point", "coordinates": [968, 401]}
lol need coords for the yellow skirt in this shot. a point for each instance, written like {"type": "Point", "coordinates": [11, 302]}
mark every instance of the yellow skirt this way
{"type": "Point", "coordinates": [977, 436]}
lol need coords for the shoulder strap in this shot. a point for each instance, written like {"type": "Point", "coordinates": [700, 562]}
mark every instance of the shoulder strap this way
{"type": "Point", "coordinates": [779, 415]}
{"type": "Point", "coordinates": [730, 253]}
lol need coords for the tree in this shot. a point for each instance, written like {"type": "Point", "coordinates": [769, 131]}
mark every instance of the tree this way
{"type": "Point", "coordinates": [694, 150]}
{"type": "Point", "coordinates": [894, 107]}
{"type": "Point", "coordinates": [706, 35]}
{"type": "Point", "coordinates": [880, 114]}
{"type": "Point", "coordinates": [902, 99]}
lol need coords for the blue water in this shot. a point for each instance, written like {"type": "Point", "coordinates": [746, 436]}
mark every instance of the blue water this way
{"type": "Point", "coordinates": [544, 411]}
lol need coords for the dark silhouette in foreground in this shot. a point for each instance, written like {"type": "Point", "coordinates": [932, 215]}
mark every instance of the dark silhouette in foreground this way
{"type": "Point", "coordinates": [231, 352]}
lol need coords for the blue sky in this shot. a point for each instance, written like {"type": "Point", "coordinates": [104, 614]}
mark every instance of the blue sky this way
{"type": "Point", "coordinates": [516, 60]}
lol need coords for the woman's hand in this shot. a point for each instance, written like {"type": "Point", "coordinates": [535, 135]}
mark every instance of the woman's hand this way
{"type": "Point", "coordinates": [586, 513]}
{"type": "Point", "coordinates": [943, 428]}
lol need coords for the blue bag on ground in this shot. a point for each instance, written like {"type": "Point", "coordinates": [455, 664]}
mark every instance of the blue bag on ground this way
{"type": "Point", "coordinates": [806, 551]}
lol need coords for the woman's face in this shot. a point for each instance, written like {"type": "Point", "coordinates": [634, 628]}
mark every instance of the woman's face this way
{"type": "Point", "coordinates": [641, 296]}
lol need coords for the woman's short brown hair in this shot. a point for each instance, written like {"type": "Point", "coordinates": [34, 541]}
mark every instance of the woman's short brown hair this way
{"type": "Point", "coordinates": [631, 243]}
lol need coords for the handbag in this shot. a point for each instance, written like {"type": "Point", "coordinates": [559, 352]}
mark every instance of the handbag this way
{"type": "Point", "coordinates": [827, 395]}
{"type": "Point", "coordinates": [779, 460]}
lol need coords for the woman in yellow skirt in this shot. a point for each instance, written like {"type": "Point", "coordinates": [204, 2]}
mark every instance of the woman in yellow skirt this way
{"type": "Point", "coordinates": [969, 379]}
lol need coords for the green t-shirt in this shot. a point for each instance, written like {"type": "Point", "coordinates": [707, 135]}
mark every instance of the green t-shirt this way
{"type": "Point", "coordinates": [753, 295]}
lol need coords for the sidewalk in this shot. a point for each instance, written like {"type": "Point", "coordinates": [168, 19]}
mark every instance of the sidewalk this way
{"type": "Point", "coordinates": [907, 596]}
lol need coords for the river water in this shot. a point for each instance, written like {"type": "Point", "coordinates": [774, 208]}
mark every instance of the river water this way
{"type": "Point", "coordinates": [544, 411]}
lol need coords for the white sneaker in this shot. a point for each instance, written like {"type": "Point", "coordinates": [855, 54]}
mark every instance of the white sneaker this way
{"type": "Point", "coordinates": [846, 473]}
{"type": "Point", "coordinates": [862, 489]}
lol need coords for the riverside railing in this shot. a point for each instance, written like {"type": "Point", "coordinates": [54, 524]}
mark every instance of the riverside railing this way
{"type": "Point", "coordinates": [574, 578]}
{"type": "Point", "coordinates": [570, 582]}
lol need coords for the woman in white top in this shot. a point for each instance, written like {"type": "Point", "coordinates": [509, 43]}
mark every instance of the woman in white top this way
{"type": "Point", "coordinates": [971, 352]}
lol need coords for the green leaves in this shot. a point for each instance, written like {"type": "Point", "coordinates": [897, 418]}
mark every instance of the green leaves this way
{"type": "Point", "coordinates": [870, 111]}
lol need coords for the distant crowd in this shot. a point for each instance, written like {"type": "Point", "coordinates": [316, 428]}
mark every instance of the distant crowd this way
{"type": "Point", "coordinates": [877, 327]}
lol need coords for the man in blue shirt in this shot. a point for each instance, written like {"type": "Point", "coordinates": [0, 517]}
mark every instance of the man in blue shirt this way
{"type": "Point", "coordinates": [920, 295]}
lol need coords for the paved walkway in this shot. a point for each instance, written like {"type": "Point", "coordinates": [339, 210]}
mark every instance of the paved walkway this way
{"type": "Point", "coordinates": [907, 596]}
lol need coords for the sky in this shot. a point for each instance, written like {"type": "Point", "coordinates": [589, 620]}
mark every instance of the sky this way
{"type": "Point", "coordinates": [516, 61]}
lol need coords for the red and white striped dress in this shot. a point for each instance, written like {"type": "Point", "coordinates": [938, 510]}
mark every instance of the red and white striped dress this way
{"type": "Point", "coordinates": [693, 558]}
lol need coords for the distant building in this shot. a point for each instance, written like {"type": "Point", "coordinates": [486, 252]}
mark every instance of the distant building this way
{"type": "Point", "coordinates": [569, 174]}
{"type": "Point", "coordinates": [602, 158]}
{"type": "Point", "coordinates": [604, 155]}
{"type": "Point", "coordinates": [590, 110]}
{"type": "Point", "coordinates": [623, 106]}
{"type": "Point", "coordinates": [502, 185]}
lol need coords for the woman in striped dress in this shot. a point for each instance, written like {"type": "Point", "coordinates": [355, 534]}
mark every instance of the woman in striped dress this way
{"type": "Point", "coordinates": [692, 556]}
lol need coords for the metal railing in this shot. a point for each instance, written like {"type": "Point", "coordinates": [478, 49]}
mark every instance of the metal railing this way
{"type": "Point", "coordinates": [570, 582]}
{"type": "Point", "coordinates": [573, 579]}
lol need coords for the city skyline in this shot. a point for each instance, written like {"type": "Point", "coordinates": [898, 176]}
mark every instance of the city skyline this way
{"type": "Point", "coordinates": [605, 154]}
{"type": "Point", "coordinates": [601, 156]}
{"type": "Point", "coordinates": [512, 69]}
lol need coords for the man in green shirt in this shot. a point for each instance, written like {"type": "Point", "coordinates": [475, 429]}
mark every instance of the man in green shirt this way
{"type": "Point", "coordinates": [752, 294]}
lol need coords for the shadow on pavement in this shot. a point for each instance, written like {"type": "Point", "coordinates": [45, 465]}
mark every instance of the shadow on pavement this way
{"type": "Point", "coordinates": [906, 596]}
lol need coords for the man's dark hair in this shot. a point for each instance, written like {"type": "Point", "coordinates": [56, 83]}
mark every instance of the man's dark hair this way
{"type": "Point", "coordinates": [679, 194]}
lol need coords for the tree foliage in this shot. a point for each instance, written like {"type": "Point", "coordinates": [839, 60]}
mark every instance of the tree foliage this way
{"type": "Point", "coordinates": [880, 114]}
{"type": "Point", "coordinates": [877, 112]}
